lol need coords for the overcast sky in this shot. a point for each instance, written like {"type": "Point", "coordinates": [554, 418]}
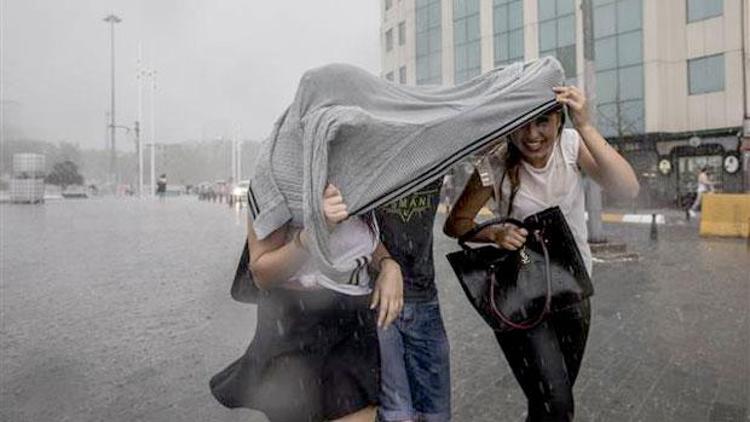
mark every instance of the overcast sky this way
{"type": "Point", "coordinates": [220, 64]}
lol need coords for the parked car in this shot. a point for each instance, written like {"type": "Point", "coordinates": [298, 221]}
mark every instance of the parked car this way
{"type": "Point", "coordinates": [75, 192]}
{"type": "Point", "coordinates": [175, 190]}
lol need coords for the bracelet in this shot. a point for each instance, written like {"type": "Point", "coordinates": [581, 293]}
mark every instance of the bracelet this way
{"type": "Point", "coordinates": [380, 262]}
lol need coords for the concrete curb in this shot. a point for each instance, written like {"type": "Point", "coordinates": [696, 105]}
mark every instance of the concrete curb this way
{"type": "Point", "coordinates": [632, 218]}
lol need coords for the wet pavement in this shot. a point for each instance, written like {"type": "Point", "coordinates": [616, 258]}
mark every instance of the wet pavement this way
{"type": "Point", "coordinates": [119, 310]}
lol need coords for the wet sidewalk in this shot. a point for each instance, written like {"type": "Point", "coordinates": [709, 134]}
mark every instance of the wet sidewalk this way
{"type": "Point", "coordinates": [671, 216]}
{"type": "Point", "coordinates": [119, 310]}
{"type": "Point", "coordinates": [668, 342]}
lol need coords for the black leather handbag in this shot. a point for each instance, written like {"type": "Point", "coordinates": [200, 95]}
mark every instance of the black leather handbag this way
{"type": "Point", "coordinates": [516, 290]}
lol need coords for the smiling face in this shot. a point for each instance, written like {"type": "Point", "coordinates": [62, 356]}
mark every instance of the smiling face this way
{"type": "Point", "coordinates": [536, 140]}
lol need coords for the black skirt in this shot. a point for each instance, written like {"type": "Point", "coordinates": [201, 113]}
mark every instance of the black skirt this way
{"type": "Point", "coordinates": [314, 357]}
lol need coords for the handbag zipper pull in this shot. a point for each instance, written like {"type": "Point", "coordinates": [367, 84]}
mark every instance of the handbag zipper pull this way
{"type": "Point", "coordinates": [524, 256]}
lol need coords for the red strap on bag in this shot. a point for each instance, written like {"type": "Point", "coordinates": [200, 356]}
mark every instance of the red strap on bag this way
{"type": "Point", "coordinates": [529, 324]}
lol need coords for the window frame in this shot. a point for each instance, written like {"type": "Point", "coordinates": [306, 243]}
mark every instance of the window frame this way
{"type": "Point", "coordinates": [554, 20]}
{"type": "Point", "coordinates": [508, 34]}
{"type": "Point", "coordinates": [704, 59]}
{"type": "Point", "coordinates": [402, 33]}
{"type": "Point", "coordinates": [463, 19]}
{"type": "Point", "coordinates": [704, 17]}
{"type": "Point", "coordinates": [617, 113]}
{"type": "Point", "coordinates": [428, 34]}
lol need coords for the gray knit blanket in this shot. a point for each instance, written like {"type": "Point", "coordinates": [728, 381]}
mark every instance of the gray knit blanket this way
{"type": "Point", "coordinates": [377, 140]}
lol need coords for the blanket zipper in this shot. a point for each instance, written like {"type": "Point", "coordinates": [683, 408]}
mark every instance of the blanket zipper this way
{"type": "Point", "coordinates": [440, 168]}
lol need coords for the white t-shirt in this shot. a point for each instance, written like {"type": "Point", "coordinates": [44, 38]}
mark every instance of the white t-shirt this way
{"type": "Point", "coordinates": [558, 183]}
{"type": "Point", "coordinates": [352, 241]}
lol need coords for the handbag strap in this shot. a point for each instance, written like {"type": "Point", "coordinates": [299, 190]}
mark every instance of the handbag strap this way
{"type": "Point", "coordinates": [513, 192]}
{"type": "Point", "coordinates": [466, 237]}
{"type": "Point", "coordinates": [531, 323]}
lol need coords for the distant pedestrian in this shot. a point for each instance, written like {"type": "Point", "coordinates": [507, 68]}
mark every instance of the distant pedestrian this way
{"type": "Point", "coordinates": [705, 184]}
{"type": "Point", "coordinates": [222, 192]}
{"type": "Point", "coordinates": [161, 186]}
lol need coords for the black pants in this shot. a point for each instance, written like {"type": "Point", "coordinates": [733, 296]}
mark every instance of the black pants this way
{"type": "Point", "coordinates": [545, 360]}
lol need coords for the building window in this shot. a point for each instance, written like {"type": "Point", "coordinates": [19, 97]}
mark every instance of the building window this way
{"type": "Point", "coordinates": [428, 36]}
{"type": "Point", "coordinates": [619, 67]}
{"type": "Point", "coordinates": [698, 10]}
{"type": "Point", "coordinates": [389, 40]}
{"type": "Point", "coordinates": [389, 76]}
{"type": "Point", "coordinates": [507, 24]}
{"type": "Point", "coordinates": [466, 40]}
{"type": "Point", "coordinates": [402, 33]}
{"type": "Point", "coordinates": [402, 75]}
{"type": "Point", "coordinates": [706, 74]}
{"type": "Point", "coordinates": [557, 34]}
{"type": "Point", "coordinates": [388, 4]}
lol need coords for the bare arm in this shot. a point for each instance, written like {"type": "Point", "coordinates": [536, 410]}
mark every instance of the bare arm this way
{"type": "Point", "coordinates": [703, 178]}
{"type": "Point", "coordinates": [461, 218]}
{"type": "Point", "coordinates": [388, 292]}
{"type": "Point", "coordinates": [469, 203]}
{"type": "Point", "coordinates": [606, 166]}
{"type": "Point", "coordinates": [378, 255]}
{"type": "Point", "coordinates": [273, 260]}
{"type": "Point", "coordinates": [597, 158]}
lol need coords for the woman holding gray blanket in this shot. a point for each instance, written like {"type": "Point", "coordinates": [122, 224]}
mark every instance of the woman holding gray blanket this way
{"type": "Point", "coordinates": [315, 354]}
{"type": "Point", "coordinates": [542, 165]}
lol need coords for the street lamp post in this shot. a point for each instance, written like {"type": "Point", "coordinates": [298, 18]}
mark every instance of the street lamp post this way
{"type": "Point", "coordinates": [112, 20]}
{"type": "Point", "coordinates": [239, 159]}
{"type": "Point", "coordinates": [140, 74]}
{"type": "Point", "coordinates": [138, 147]}
{"type": "Point", "coordinates": [236, 155]}
{"type": "Point", "coordinates": [233, 143]}
{"type": "Point", "coordinates": [152, 74]}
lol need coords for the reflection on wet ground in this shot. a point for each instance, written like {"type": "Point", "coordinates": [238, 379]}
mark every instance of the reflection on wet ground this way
{"type": "Point", "coordinates": [119, 310]}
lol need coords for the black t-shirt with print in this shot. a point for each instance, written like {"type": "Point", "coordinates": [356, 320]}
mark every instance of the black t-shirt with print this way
{"type": "Point", "coordinates": [406, 231]}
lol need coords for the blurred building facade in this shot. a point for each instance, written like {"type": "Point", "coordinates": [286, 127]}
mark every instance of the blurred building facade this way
{"type": "Point", "coordinates": [672, 81]}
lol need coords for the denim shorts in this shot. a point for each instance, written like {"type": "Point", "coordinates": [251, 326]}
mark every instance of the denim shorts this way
{"type": "Point", "coordinates": [415, 366]}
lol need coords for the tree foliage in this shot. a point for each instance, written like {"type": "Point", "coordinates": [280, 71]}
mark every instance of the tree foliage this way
{"type": "Point", "coordinates": [64, 174]}
{"type": "Point", "coordinates": [189, 162]}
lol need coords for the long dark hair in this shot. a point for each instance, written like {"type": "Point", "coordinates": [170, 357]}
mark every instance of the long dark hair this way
{"type": "Point", "coordinates": [370, 220]}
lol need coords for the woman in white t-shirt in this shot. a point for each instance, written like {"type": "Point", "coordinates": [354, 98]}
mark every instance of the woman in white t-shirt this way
{"type": "Point", "coordinates": [545, 165]}
{"type": "Point", "coordinates": [315, 354]}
